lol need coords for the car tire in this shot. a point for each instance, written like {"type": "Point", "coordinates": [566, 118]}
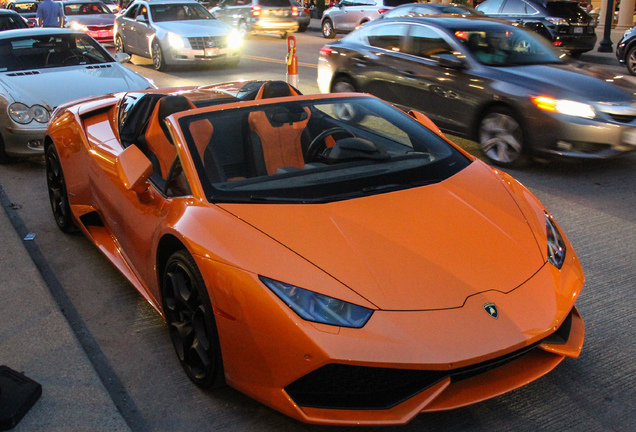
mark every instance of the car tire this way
{"type": "Point", "coordinates": [158, 59]}
{"type": "Point", "coordinates": [191, 323]}
{"type": "Point", "coordinates": [630, 60]}
{"type": "Point", "coordinates": [327, 29]}
{"type": "Point", "coordinates": [58, 195]}
{"type": "Point", "coordinates": [501, 138]}
{"type": "Point", "coordinates": [302, 29]}
{"type": "Point", "coordinates": [119, 45]}
{"type": "Point", "coordinates": [283, 35]}
{"type": "Point", "coordinates": [242, 29]}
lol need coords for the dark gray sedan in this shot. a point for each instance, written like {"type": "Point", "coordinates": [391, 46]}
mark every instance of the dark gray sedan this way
{"type": "Point", "coordinates": [489, 81]}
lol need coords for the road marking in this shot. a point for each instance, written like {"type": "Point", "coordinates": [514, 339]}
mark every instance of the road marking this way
{"type": "Point", "coordinates": [270, 60]}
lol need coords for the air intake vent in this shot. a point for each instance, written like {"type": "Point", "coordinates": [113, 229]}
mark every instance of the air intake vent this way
{"type": "Point", "coordinates": [24, 73]}
{"type": "Point", "coordinates": [100, 66]}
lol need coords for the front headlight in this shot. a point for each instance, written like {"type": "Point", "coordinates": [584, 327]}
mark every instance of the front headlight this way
{"type": "Point", "coordinates": [234, 39]}
{"type": "Point", "coordinates": [20, 113]}
{"type": "Point", "coordinates": [175, 41]}
{"type": "Point", "coordinates": [567, 107]}
{"type": "Point", "coordinates": [319, 308]}
{"type": "Point", "coordinates": [556, 245]}
{"type": "Point", "coordinates": [77, 26]}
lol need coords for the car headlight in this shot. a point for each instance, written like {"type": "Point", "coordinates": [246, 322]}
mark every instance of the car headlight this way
{"type": "Point", "coordinates": [175, 41]}
{"type": "Point", "coordinates": [20, 113]}
{"type": "Point", "coordinates": [567, 107]}
{"type": "Point", "coordinates": [77, 26]}
{"type": "Point", "coordinates": [234, 39]}
{"type": "Point", "coordinates": [319, 308]}
{"type": "Point", "coordinates": [556, 245]}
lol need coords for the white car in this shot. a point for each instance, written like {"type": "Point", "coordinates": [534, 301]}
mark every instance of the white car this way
{"type": "Point", "coordinates": [176, 33]}
{"type": "Point", "coordinates": [41, 68]}
{"type": "Point", "coordinates": [347, 15]}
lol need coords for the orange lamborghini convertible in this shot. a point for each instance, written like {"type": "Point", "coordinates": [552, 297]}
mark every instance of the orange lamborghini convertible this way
{"type": "Point", "coordinates": [329, 255]}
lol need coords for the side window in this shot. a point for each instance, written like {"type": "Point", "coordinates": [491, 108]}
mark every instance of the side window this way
{"type": "Point", "coordinates": [514, 7]}
{"type": "Point", "coordinates": [425, 42]}
{"type": "Point", "coordinates": [389, 37]}
{"type": "Point", "coordinates": [490, 7]}
{"type": "Point", "coordinates": [132, 12]}
{"type": "Point", "coordinates": [531, 10]}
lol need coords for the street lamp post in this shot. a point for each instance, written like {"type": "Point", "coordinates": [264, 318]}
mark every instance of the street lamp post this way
{"type": "Point", "coordinates": [606, 43]}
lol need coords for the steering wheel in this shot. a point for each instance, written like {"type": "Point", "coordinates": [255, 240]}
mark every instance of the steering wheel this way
{"type": "Point", "coordinates": [318, 145]}
{"type": "Point", "coordinates": [78, 59]}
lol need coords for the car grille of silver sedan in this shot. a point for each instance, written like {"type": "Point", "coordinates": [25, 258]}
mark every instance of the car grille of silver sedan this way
{"type": "Point", "coordinates": [200, 43]}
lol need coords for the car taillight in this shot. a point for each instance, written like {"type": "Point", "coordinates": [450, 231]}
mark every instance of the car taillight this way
{"type": "Point", "coordinates": [557, 43]}
{"type": "Point", "coordinates": [326, 52]}
{"type": "Point", "coordinates": [307, 11]}
{"type": "Point", "coordinates": [294, 11]}
{"type": "Point", "coordinates": [256, 10]}
{"type": "Point", "coordinates": [383, 10]}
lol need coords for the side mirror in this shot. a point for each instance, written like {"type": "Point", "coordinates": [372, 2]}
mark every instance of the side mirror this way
{"type": "Point", "coordinates": [133, 169]}
{"type": "Point", "coordinates": [425, 121]}
{"type": "Point", "coordinates": [449, 61]}
{"type": "Point", "coordinates": [122, 57]}
{"type": "Point", "coordinates": [141, 18]}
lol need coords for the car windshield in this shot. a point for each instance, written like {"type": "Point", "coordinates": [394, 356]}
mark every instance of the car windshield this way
{"type": "Point", "coordinates": [85, 9]}
{"type": "Point", "coordinates": [25, 7]}
{"type": "Point", "coordinates": [47, 51]}
{"type": "Point", "coordinates": [506, 47]}
{"type": "Point", "coordinates": [313, 151]}
{"type": "Point", "coordinates": [178, 12]}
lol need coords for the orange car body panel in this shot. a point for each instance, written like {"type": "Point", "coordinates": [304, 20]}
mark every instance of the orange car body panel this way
{"type": "Point", "coordinates": [422, 256]}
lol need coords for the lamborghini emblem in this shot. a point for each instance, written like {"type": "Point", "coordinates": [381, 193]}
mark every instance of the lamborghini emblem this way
{"type": "Point", "coordinates": [491, 309]}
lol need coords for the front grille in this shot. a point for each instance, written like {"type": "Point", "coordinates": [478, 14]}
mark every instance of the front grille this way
{"type": "Point", "coordinates": [622, 118]}
{"type": "Point", "coordinates": [338, 386]}
{"type": "Point", "coordinates": [200, 43]}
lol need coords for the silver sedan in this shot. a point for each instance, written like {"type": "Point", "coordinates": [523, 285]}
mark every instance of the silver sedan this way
{"type": "Point", "coordinates": [176, 33]}
{"type": "Point", "coordinates": [41, 68]}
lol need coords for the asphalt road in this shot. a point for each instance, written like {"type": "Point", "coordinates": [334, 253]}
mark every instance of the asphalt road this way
{"type": "Point", "coordinates": [595, 204]}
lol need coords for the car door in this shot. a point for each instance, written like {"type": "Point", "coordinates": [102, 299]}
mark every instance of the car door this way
{"type": "Point", "coordinates": [126, 28]}
{"type": "Point", "coordinates": [348, 15]}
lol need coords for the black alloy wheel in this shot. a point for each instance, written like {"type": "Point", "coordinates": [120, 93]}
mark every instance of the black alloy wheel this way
{"type": "Point", "coordinates": [191, 323]}
{"type": "Point", "coordinates": [58, 195]}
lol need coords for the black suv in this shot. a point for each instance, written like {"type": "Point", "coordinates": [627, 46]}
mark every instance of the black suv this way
{"type": "Point", "coordinates": [563, 22]}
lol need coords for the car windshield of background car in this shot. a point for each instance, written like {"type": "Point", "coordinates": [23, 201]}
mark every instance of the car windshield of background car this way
{"type": "Point", "coordinates": [315, 151]}
{"type": "Point", "coordinates": [506, 47]}
{"type": "Point", "coordinates": [179, 12]}
{"type": "Point", "coordinates": [25, 7]}
{"type": "Point", "coordinates": [46, 51]}
{"type": "Point", "coordinates": [85, 9]}
{"type": "Point", "coordinates": [275, 3]}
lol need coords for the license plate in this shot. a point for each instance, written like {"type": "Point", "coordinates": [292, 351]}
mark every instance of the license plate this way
{"type": "Point", "coordinates": [211, 52]}
{"type": "Point", "coordinates": [629, 136]}
{"type": "Point", "coordinates": [102, 34]}
{"type": "Point", "coordinates": [578, 30]}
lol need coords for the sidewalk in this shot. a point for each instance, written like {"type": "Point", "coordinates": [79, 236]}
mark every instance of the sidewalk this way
{"type": "Point", "coordinates": [36, 340]}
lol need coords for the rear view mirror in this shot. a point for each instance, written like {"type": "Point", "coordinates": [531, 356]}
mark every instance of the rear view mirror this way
{"type": "Point", "coordinates": [122, 57]}
{"type": "Point", "coordinates": [133, 169]}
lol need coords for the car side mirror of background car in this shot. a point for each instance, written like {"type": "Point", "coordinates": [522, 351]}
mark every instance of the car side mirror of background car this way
{"type": "Point", "coordinates": [425, 121]}
{"type": "Point", "coordinates": [122, 57]}
{"type": "Point", "coordinates": [141, 18]}
{"type": "Point", "coordinates": [133, 169]}
{"type": "Point", "coordinates": [449, 60]}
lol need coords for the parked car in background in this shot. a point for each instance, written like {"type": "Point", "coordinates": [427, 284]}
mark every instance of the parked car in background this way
{"type": "Point", "coordinates": [259, 16]}
{"type": "Point", "coordinates": [10, 20]}
{"type": "Point", "coordinates": [345, 15]}
{"type": "Point", "coordinates": [92, 17]}
{"type": "Point", "coordinates": [41, 68]}
{"type": "Point", "coordinates": [483, 79]}
{"type": "Point", "coordinates": [410, 9]}
{"type": "Point", "coordinates": [112, 5]}
{"type": "Point", "coordinates": [626, 50]}
{"type": "Point", "coordinates": [27, 9]}
{"type": "Point", "coordinates": [563, 22]}
{"type": "Point", "coordinates": [304, 16]}
{"type": "Point", "coordinates": [176, 33]}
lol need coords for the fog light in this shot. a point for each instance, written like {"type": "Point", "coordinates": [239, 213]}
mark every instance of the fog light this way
{"type": "Point", "coordinates": [564, 145]}
{"type": "Point", "coordinates": [35, 144]}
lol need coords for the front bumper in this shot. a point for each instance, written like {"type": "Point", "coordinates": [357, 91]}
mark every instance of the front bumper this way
{"type": "Point", "coordinates": [23, 141]}
{"type": "Point", "coordinates": [400, 363]}
{"type": "Point", "coordinates": [206, 55]}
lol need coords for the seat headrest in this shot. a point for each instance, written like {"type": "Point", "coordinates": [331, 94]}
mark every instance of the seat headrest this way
{"type": "Point", "coordinates": [273, 89]}
{"type": "Point", "coordinates": [169, 105]}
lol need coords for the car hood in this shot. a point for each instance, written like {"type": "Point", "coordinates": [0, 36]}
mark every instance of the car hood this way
{"type": "Point", "coordinates": [571, 81]}
{"type": "Point", "coordinates": [195, 28]}
{"type": "Point", "coordinates": [424, 248]}
{"type": "Point", "coordinates": [98, 19]}
{"type": "Point", "coordinates": [51, 87]}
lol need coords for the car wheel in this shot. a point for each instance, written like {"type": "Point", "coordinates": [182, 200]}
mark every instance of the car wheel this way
{"type": "Point", "coordinates": [4, 157]}
{"type": "Point", "coordinates": [119, 45]}
{"type": "Point", "coordinates": [630, 60]}
{"type": "Point", "coordinates": [346, 111]}
{"type": "Point", "coordinates": [283, 35]}
{"type": "Point", "coordinates": [302, 29]}
{"type": "Point", "coordinates": [158, 60]}
{"type": "Point", "coordinates": [58, 195]}
{"type": "Point", "coordinates": [242, 29]}
{"type": "Point", "coordinates": [191, 323]}
{"type": "Point", "coordinates": [328, 30]}
{"type": "Point", "coordinates": [501, 138]}
{"type": "Point", "coordinates": [576, 54]}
